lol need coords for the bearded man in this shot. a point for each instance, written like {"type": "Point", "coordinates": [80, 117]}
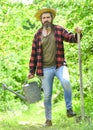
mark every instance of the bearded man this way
{"type": "Point", "coordinates": [48, 59]}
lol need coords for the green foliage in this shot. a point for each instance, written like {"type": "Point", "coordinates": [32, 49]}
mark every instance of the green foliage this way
{"type": "Point", "coordinates": [17, 27]}
{"type": "Point", "coordinates": [33, 119]}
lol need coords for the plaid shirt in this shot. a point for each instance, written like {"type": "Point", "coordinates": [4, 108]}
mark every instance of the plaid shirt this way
{"type": "Point", "coordinates": [36, 59]}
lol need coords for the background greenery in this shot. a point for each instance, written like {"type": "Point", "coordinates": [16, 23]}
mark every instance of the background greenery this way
{"type": "Point", "coordinates": [17, 28]}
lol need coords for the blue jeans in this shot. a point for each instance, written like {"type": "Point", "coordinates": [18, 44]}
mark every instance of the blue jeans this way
{"type": "Point", "coordinates": [47, 84]}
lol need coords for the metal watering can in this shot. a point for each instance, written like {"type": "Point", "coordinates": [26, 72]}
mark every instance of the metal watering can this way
{"type": "Point", "coordinates": [32, 92]}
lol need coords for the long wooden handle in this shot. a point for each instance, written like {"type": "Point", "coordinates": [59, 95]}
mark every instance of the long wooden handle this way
{"type": "Point", "coordinates": [80, 73]}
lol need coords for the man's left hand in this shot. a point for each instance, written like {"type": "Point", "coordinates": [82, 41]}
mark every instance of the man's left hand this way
{"type": "Point", "coordinates": [78, 30]}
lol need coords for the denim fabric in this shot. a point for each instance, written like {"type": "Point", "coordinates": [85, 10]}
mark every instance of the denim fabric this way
{"type": "Point", "coordinates": [47, 84]}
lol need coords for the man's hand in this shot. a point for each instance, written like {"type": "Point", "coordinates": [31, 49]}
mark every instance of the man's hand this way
{"type": "Point", "coordinates": [30, 76]}
{"type": "Point", "coordinates": [78, 30]}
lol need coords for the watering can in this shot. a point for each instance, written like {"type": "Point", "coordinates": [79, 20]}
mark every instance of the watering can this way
{"type": "Point", "coordinates": [32, 92]}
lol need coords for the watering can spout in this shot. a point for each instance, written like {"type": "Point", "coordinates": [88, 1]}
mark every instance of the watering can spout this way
{"type": "Point", "coordinates": [4, 87]}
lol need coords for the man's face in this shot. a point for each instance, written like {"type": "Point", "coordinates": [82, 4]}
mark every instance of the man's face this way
{"type": "Point", "coordinates": [46, 20]}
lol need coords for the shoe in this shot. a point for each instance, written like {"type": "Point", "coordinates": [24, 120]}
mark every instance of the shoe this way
{"type": "Point", "coordinates": [70, 113]}
{"type": "Point", "coordinates": [48, 123]}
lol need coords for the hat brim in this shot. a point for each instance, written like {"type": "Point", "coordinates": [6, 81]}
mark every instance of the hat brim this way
{"type": "Point", "coordinates": [45, 10]}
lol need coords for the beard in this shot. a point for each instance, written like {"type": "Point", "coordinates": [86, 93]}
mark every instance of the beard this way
{"type": "Point", "coordinates": [47, 25]}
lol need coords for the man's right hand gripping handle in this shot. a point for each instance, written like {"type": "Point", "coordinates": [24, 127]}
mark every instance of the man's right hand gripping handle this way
{"type": "Point", "coordinates": [30, 76]}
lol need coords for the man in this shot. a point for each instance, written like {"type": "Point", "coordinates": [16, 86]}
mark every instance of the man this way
{"type": "Point", "coordinates": [48, 60]}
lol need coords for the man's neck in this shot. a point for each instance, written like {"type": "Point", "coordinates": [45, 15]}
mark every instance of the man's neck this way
{"type": "Point", "coordinates": [46, 31]}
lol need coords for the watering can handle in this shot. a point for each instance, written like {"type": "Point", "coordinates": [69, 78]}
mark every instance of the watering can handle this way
{"type": "Point", "coordinates": [28, 80]}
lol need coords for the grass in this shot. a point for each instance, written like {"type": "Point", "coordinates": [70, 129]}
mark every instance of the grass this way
{"type": "Point", "coordinates": [33, 118]}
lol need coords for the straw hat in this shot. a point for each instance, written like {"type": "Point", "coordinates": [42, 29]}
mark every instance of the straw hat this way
{"type": "Point", "coordinates": [44, 10]}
